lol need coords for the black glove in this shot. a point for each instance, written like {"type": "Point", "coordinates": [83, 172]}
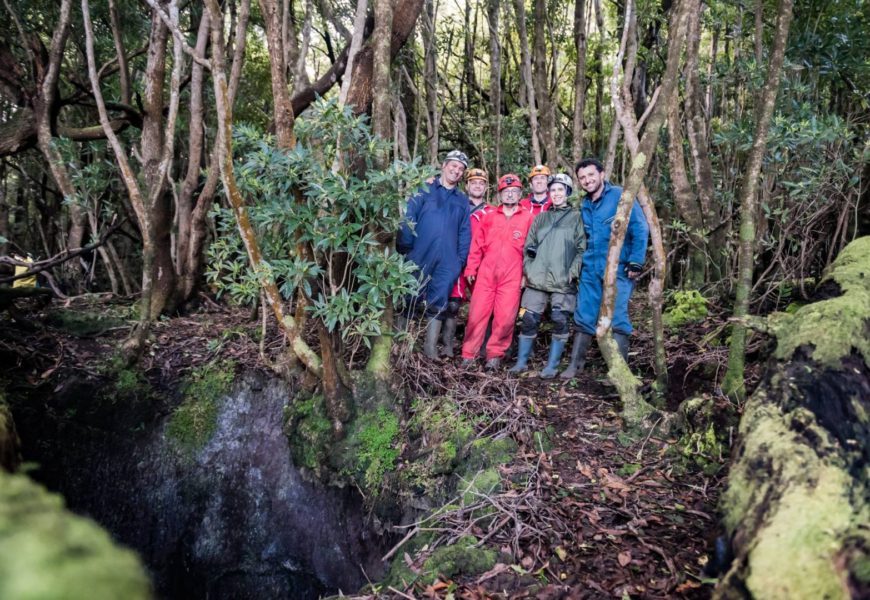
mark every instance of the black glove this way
{"type": "Point", "coordinates": [633, 269]}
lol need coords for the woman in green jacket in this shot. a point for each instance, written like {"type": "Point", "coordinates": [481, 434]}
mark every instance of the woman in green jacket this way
{"type": "Point", "coordinates": [551, 268]}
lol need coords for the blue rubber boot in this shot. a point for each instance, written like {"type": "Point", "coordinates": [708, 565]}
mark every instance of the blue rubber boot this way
{"type": "Point", "coordinates": [557, 346]}
{"type": "Point", "coordinates": [524, 348]}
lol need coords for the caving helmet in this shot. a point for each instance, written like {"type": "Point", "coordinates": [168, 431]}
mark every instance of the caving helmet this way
{"type": "Point", "coordinates": [564, 180]}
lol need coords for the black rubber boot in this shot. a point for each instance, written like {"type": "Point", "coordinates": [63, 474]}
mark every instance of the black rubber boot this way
{"type": "Point", "coordinates": [448, 336]}
{"type": "Point", "coordinates": [578, 355]}
{"type": "Point", "coordinates": [433, 331]}
{"type": "Point", "coordinates": [622, 343]}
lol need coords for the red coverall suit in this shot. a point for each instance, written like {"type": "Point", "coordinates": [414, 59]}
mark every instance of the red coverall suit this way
{"type": "Point", "coordinates": [534, 207]}
{"type": "Point", "coordinates": [496, 260]}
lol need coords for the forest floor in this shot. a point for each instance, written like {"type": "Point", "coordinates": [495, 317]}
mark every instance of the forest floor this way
{"type": "Point", "coordinates": [604, 515]}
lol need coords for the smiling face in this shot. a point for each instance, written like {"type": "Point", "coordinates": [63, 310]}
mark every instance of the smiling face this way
{"type": "Point", "coordinates": [539, 184]}
{"type": "Point", "coordinates": [591, 180]}
{"type": "Point", "coordinates": [558, 194]}
{"type": "Point", "coordinates": [476, 189]}
{"type": "Point", "coordinates": [451, 173]}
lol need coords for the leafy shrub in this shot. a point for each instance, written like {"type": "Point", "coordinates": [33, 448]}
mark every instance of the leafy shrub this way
{"type": "Point", "coordinates": [322, 228]}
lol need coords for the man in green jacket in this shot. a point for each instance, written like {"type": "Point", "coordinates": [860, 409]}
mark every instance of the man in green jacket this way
{"type": "Point", "coordinates": [551, 267]}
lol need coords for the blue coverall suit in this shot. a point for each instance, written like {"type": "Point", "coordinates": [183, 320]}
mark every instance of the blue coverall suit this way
{"type": "Point", "coordinates": [597, 218]}
{"type": "Point", "coordinates": [436, 236]}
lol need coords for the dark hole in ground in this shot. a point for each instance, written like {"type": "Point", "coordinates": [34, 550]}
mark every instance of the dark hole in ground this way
{"type": "Point", "coordinates": [234, 519]}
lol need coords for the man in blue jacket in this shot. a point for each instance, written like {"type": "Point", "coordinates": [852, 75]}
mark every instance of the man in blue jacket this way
{"type": "Point", "coordinates": [436, 236]}
{"type": "Point", "coordinates": [598, 211]}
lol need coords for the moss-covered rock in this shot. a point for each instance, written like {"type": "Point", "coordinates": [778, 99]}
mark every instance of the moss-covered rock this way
{"type": "Point", "coordinates": [462, 558]}
{"type": "Point", "coordinates": [83, 323]}
{"type": "Point", "coordinates": [47, 552]}
{"type": "Point", "coordinates": [194, 421]}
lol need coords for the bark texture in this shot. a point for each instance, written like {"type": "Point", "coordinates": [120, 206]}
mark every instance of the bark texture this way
{"type": "Point", "coordinates": [798, 497]}
{"type": "Point", "coordinates": [733, 384]}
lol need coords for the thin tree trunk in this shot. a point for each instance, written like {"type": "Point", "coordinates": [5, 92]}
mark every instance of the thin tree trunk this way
{"type": "Point", "coordinates": [520, 10]}
{"type": "Point", "coordinates": [733, 384]}
{"type": "Point", "coordinates": [136, 342]}
{"type": "Point", "coordinates": [154, 134]}
{"type": "Point", "coordinates": [430, 77]}
{"type": "Point", "coordinates": [120, 52]}
{"type": "Point", "coordinates": [282, 106]}
{"type": "Point", "coordinates": [684, 199]}
{"type": "Point", "coordinates": [544, 103]}
{"type": "Point", "coordinates": [195, 151]}
{"type": "Point", "coordinates": [599, 80]}
{"type": "Point", "coordinates": [199, 219]}
{"type": "Point", "coordinates": [44, 108]}
{"type": "Point", "coordinates": [306, 355]}
{"type": "Point", "coordinates": [759, 31]}
{"type": "Point", "coordinates": [493, 7]}
{"type": "Point", "coordinates": [635, 409]}
{"type": "Point", "coordinates": [579, 78]}
{"type": "Point", "coordinates": [379, 359]}
{"type": "Point", "coordinates": [355, 45]}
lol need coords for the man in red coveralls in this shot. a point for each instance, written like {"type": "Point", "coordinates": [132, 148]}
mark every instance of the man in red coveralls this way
{"type": "Point", "coordinates": [495, 267]}
{"type": "Point", "coordinates": [538, 199]}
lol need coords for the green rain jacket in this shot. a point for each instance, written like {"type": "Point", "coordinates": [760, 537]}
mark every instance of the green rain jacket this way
{"type": "Point", "coordinates": [556, 266]}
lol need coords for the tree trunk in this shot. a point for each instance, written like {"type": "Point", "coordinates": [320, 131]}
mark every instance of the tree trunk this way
{"type": "Point", "coordinates": [135, 344]}
{"type": "Point", "coordinates": [493, 7]}
{"type": "Point", "coordinates": [430, 81]}
{"type": "Point", "coordinates": [381, 128]}
{"type": "Point", "coordinates": [196, 153]}
{"type": "Point", "coordinates": [306, 355]}
{"type": "Point", "coordinates": [635, 409]}
{"type": "Point", "coordinates": [282, 106]}
{"type": "Point", "coordinates": [544, 102]}
{"type": "Point", "coordinates": [526, 67]}
{"type": "Point", "coordinates": [599, 81]}
{"type": "Point", "coordinates": [797, 503]}
{"type": "Point", "coordinates": [579, 78]}
{"type": "Point", "coordinates": [151, 151]}
{"type": "Point", "coordinates": [733, 383]}
{"type": "Point", "coordinates": [685, 201]}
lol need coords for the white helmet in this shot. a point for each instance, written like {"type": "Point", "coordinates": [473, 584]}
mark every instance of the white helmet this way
{"type": "Point", "coordinates": [564, 180]}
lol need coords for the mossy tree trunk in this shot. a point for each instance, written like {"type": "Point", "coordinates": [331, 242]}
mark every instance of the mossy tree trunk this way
{"type": "Point", "coordinates": [797, 502]}
{"type": "Point", "coordinates": [733, 384]}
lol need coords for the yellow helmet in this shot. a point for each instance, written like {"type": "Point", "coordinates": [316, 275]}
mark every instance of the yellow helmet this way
{"type": "Point", "coordinates": [475, 174]}
{"type": "Point", "coordinates": [540, 170]}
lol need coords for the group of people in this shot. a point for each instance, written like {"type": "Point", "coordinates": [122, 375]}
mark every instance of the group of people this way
{"type": "Point", "coordinates": [517, 258]}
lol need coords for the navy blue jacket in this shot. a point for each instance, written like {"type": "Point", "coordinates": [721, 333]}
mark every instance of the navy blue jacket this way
{"type": "Point", "coordinates": [598, 216]}
{"type": "Point", "coordinates": [436, 227]}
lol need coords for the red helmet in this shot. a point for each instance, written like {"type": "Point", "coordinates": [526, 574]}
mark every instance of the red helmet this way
{"type": "Point", "coordinates": [508, 181]}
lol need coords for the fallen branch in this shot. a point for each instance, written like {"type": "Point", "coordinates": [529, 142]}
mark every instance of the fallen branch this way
{"type": "Point", "coordinates": [40, 266]}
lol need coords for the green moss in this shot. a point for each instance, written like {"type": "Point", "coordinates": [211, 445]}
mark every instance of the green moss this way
{"type": "Point", "coordinates": [489, 452]}
{"type": "Point", "coordinates": [310, 432]}
{"type": "Point", "coordinates": [372, 442]}
{"type": "Point", "coordinates": [860, 569]}
{"type": "Point", "coordinates": [194, 421]}
{"type": "Point", "coordinates": [687, 306]}
{"type": "Point", "coordinates": [483, 483]}
{"type": "Point", "coordinates": [812, 490]}
{"type": "Point", "coordinates": [47, 552]}
{"type": "Point", "coordinates": [628, 469]}
{"type": "Point", "coordinates": [461, 558]}
{"type": "Point", "coordinates": [832, 327]}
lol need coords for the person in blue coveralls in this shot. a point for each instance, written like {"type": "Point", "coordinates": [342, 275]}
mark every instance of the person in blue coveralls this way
{"type": "Point", "coordinates": [598, 211]}
{"type": "Point", "coordinates": [436, 236]}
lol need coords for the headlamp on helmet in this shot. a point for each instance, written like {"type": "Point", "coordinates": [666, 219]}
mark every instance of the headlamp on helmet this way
{"type": "Point", "coordinates": [458, 156]}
